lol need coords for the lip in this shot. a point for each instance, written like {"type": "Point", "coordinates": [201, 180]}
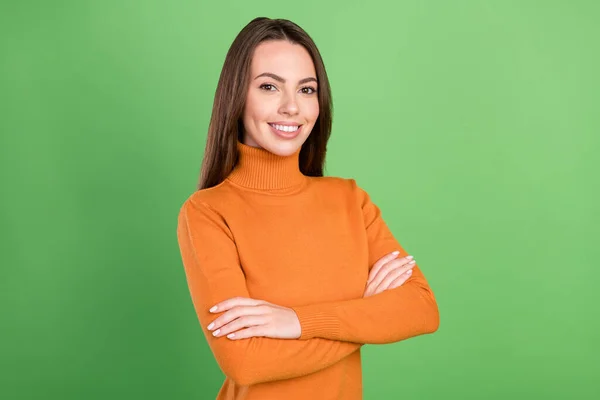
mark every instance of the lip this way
{"type": "Point", "coordinates": [285, 135]}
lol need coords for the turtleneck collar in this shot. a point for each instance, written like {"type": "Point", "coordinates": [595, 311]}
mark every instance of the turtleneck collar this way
{"type": "Point", "coordinates": [259, 169]}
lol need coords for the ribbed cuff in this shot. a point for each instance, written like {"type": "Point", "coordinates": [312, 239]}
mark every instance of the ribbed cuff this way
{"type": "Point", "coordinates": [315, 321]}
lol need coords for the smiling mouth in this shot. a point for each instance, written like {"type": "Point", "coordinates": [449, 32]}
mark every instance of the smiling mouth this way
{"type": "Point", "coordinates": [286, 134]}
{"type": "Point", "coordinates": [286, 128]}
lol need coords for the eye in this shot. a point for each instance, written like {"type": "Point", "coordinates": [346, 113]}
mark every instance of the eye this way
{"type": "Point", "coordinates": [311, 88]}
{"type": "Point", "coordinates": [266, 84]}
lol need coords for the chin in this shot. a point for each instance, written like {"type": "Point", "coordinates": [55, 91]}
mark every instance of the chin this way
{"type": "Point", "coordinates": [283, 148]}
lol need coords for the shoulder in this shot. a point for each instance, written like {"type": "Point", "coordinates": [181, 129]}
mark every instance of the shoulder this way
{"type": "Point", "coordinates": [208, 199]}
{"type": "Point", "coordinates": [331, 183]}
{"type": "Point", "coordinates": [347, 187]}
{"type": "Point", "coordinates": [202, 211]}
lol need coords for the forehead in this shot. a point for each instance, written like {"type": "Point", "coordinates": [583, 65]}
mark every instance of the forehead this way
{"type": "Point", "coordinates": [282, 58]}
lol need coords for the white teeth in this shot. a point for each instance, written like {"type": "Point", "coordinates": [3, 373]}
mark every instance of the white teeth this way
{"type": "Point", "coordinates": [285, 128]}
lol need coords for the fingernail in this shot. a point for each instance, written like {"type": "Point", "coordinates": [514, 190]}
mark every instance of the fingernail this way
{"type": "Point", "coordinates": [412, 262]}
{"type": "Point", "coordinates": [213, 309]}
{"type": "Point", "coordinates": [212, 325]}
{"type": "Point", "coordinates": [409, 272]}
{"type": "Point", "coordinates": [231, 335]}
{"type": "Point", "coordinates": [215, 333]}
{"type": "Point", "coordinates": [396, 253]}
{"type": "Point", "coordinates": [410, 257]}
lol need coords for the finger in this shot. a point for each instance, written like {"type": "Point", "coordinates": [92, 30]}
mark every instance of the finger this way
{"type": "Point", "coordinates": [393, 275]}
{"type": "Point", "coordinates": [385, 272]}
{"type": "Point", "coordinates": [380, 263]}
{"type": "Point", "coordinates": [401, 279]}
{"type": "Point", "coordinates": [370, 288]}
{"type": "Point", "coordinates": [234, 313]}
{"type": "Point", "coordinates": [391, 265]}
{"type": "Point", "coordinates": [253, 331]}
{"type": "Point", "coordinates": [233, 302]}
{"type": "Point", "coordinates": [240, 323]}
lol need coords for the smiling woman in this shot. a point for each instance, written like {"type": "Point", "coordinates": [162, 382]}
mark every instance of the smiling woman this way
{"type": "Point", "coordinates": [290, 272]}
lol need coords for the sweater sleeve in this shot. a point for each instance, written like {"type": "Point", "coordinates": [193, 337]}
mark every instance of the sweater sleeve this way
{"type": "Point", "coordinates": [390, 316]}
{"type": "Point", "coordinates": [214, 274]}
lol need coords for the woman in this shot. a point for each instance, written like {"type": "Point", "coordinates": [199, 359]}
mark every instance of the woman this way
{"type": "Point", "coordinates": [290, 272]}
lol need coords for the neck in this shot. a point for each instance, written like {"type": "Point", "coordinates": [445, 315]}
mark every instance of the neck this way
{"type": "Point", "coordinates": [260, 169]}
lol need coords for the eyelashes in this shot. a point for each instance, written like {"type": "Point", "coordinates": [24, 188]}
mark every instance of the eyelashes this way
{"type": "Point", "coordinates": [305, 87]}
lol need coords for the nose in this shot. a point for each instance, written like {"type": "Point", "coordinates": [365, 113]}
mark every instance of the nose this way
{"type": "Point", "coordinates": [289, 105]}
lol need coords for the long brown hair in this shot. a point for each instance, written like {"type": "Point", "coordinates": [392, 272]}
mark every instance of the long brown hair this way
{"type": "Point", "coordinates": [226, 127]}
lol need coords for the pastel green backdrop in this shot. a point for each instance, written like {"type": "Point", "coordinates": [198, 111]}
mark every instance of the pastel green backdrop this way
{"type": "Point", "coordinates": [473, 125]}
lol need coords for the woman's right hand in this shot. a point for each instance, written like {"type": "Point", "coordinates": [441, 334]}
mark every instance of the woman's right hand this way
{"type": "Point", "coordinates": [389, 272]}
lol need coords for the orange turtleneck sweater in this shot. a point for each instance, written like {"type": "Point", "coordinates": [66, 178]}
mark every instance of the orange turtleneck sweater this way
{"type": "Point", "coordinates": [271, 233]}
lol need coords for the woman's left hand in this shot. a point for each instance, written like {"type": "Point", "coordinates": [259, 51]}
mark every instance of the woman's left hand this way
{"type": "Point", "coordinates": [245, 317]}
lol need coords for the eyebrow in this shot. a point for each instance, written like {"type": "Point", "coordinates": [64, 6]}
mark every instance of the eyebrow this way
{"type": "Point", "coordinates": [280, 79]}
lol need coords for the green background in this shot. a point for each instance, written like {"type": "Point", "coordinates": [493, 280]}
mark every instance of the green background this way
{"type": "Point", "coordinates": [473, 124]}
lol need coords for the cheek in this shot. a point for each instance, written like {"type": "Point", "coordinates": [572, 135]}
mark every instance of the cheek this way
{"type": "Point", "coordinates": [259, 110]}
{"type": "Point", "coordinates": [313, 110]}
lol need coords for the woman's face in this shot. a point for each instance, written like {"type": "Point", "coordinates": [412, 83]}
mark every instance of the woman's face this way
{"type": "Point", "coordinates": [288, 96]}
